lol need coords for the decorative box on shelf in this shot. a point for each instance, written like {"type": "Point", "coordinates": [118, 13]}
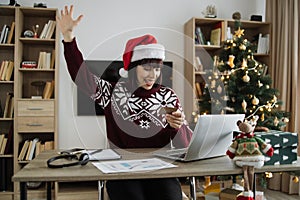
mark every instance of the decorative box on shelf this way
{"type": "Point", "coordinates": [284, 144]}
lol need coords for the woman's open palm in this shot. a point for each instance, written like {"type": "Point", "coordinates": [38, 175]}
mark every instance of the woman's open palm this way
{"type": "Point", "coordinates": [66, 22]}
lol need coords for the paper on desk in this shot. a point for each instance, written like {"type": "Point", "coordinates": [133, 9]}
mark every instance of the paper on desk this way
{"type": "Point", "coordinates": [132, 165]}
{"type": "Point", "coordinates": [104, 154]}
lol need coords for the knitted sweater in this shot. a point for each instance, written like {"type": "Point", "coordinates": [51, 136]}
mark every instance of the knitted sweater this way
{"type": "Point", "coordinates": [246, 145]}
{"type": "Point", "coordinates": [133, 117]}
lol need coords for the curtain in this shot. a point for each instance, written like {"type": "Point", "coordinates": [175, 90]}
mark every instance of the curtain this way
{"type": "Point", "coordinates": [285, 69]}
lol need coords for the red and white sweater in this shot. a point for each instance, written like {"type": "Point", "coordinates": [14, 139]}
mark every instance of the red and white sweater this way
{"type": "Point", "coordinates": [133, 119]}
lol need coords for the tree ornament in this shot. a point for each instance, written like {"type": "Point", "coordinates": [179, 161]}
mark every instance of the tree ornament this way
{"type": "Point", "coordinates": [276, 121]}
{"type": "Point", "coordinates": [255, 101]}
{"type": "Point", "coordinates": [213, 84]}
{"type": "Point", "coordinates": [239, 32]}
{"type": "Point", "coordinates": [285, 120]}
{"type": "Point", "coordinates": [244, 64]}
{"type": "Point", "coordinates": [242, 47]}
{"type": "Point", "coordinates": [295, 179]}
{"type": "Point", "coordinates": [244, 105]}
{"type": "Point", "coordinates": [219, 89]}
{"type": "Point", "coordinates": [230, 61]}
{"type": "Point", "coordinates": [267, 86]}
{"type": "Point", "coordinates": [260, 84]}
{"type": "Point", "coordinates": [262, 117]}
{"type": "Point", "coordinates": [236, 15]}
{"type": "Point", "coordinates": [246, 78]}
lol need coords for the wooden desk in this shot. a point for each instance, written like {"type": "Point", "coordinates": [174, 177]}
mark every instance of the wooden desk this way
{"type": "Point", "coordinates": [37, 170]}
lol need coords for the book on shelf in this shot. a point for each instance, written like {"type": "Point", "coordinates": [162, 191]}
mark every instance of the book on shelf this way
{"type": "Point", "coordinates": [198, 90]}
{"type": "Point", "coordinates": [10, 112]}
{"type": "Point", "coordinates": [48, 89]}
{"type": "Point", "coordinates": [200, 39]}
{"type": "Point", "coordinates": [263, 43]}
{"type": "Point", "coordinates": [215, 36]}
{"type": "Point", "coordinates": [48, 30]}
{"type": "Point", "coordinates": [31, 150]}
{"type": "Point", "coordinates": [11, 33]}
{"type": "Point", "coordinates": [38, 148]}
{"type": "Point", "coordinates": [44, 61]}
{"type": "Point", "coordinates": [22, 154]}
{"type": "Point", "coordinates": [52, 63]}
{"type": "Point", "coordinates": [2, 136]}
{"type": "Point", "coordinates": [4, 33]}
{"type": "Point", "coordinates": [4, 66]}
{"type": "Point", "coordinates": [9, 71]}
{"type": "Point", "coordinates": [6, 70]}
{"type": "Point", "coordinates": [49, 145]}
{"type": "Point", "coordinates": [198, 64]}
{"type": "Point", "coordinates": [28, 150]}
{"type": "Point", "coordinates": [3, 146]}
{"type": "Point", "coordinates": [8, 105]}
{"type": "Point", "coordinates": [44, 30]}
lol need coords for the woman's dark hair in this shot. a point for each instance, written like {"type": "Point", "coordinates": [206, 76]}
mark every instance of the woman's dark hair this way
{"type": "Point", "coordinates": [132, 73]}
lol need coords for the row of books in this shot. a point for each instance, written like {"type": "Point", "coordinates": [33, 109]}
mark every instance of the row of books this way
{"type": "Point", "coordinates": [8, 111]}
{"type": "Point", "coordinates": [46, 60]}
{"type": "Point", "coordinates": [263, 43]}
{"type": "Point", "coordinates": [7, 32]}
{"type": "Point", "coordinates": [6, 70]}
{"type": "Point", "coordinates": [6, 144]}
{"type": "Point", "coordinates": [215, 35]}
{"type": "Point", "coordinates": [48, 30]}
{"type": "Point", "coordinates": [31, 148]}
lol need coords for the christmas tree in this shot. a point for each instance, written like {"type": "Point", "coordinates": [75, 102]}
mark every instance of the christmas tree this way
{"type": "Point", "coordinates": [239, 84]}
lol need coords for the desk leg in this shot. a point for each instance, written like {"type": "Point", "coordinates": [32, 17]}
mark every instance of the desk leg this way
{"type": "Point", "coordinates": [254, 185]}
{"type": "Point", "coordinates": [23, 191]}
{"type": "Point", "coordinates": [192, 188]}
{"type": "Point", "coordinates": [49, 192]}
{"type": "Point", "coordinates": [101, 190]}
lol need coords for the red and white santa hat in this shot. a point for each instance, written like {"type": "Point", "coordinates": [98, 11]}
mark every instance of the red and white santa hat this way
{"type": "Point", "coordinates": [144, 47]}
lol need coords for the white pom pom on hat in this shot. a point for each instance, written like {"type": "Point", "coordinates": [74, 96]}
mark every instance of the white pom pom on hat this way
{"type": "Point", "coordinates": [144, 47]}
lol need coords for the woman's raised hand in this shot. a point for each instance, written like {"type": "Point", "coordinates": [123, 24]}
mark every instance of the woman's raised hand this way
{"type": "Point", "coordinates": [66, 23]}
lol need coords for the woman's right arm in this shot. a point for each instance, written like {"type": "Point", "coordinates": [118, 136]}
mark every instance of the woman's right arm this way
{"type": "Point", "coordinates": [83, 78]}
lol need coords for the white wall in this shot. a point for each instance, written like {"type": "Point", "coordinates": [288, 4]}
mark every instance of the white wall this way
{"type": "Point", "coordinates": [102, 34]}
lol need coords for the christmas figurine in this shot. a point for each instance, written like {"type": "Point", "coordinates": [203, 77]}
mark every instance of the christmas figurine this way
{"type": "Point", "coordinates": [247, 151]}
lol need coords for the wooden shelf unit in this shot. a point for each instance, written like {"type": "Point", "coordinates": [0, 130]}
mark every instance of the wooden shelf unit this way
{"type": "Point", "coordinates": [207, 52]}
{"type": "Point", "coordinates": [32, 118]}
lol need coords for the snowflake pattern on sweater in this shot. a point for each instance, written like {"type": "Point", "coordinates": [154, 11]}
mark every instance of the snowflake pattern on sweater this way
{"type": "Point", "coordinates": [131, 107]}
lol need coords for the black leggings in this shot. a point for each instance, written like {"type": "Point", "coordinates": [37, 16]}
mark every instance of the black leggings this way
{"type": "Point", "coordinates": [144, 189]}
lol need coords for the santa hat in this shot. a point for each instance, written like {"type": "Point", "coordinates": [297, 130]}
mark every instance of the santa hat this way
{"type": "Point", "coordinates": [144, 47]}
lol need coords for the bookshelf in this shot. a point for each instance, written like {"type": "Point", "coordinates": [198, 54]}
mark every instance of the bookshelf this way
{"type": "Point", "coordinates": [7, 50]}
{"type": "Point", "coordinates": [35, 115]}
{"type": "Point", "coordinates": [25, 113]}
{"type": "Point", "coordinates": [200, 47]}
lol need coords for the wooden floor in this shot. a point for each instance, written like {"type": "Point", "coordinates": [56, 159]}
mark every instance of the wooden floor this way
{"type": "Point", "coordinates": [277, 195]}
{"type": "Point", "coordinates": [268, 194]}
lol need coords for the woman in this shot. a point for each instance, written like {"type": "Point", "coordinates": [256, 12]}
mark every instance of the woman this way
{"type": "Point", "coordinates": [133, 107]}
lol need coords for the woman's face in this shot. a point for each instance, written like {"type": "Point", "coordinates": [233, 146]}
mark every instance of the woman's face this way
{"type": "Point", "coordinates": [147, 74]}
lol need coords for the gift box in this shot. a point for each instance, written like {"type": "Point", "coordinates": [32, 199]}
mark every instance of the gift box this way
{"type": "Point", "coordinates": [284, 144]}
{"type": "Point", "coordinates": [229, 194]}
{"type": "Point", "coordinates": [274, 183]}
{"type": "Point", "coordinates": [288, 183]}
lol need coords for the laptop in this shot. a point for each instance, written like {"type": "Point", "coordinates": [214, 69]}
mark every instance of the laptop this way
{"type": "Point", "coordinates": [211, 138]}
